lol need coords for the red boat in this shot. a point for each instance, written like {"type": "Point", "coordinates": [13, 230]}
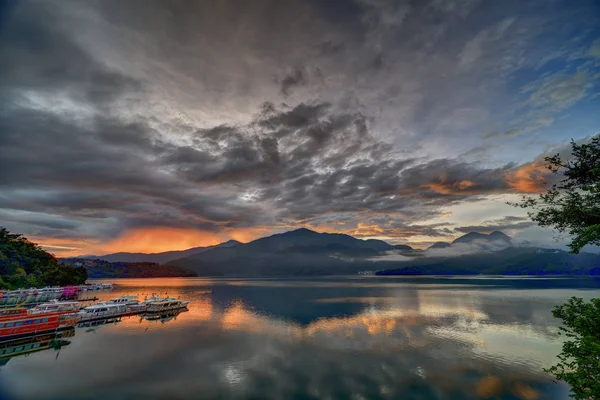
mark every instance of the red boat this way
{"type": "Point", "coordinates": [18, 322]}
{"type": "Point", "coordinates": [11, 313]}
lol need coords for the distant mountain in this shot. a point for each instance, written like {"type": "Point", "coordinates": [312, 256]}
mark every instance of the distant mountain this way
{"type": "Point", "coordinates": [306, 237]}
{"type": "Point", "coordinates": [158, 258]}
{"type": "Point", "coordinates": [439, 245]}
{"type": "Point", "coordinates": [509, 261]}
{"type": "Point", "coordinates": [497, 235]}
{"type": "Point", "coordinates": [298, 252]}
{"type": "Point", "coordinates": [305, 252]}
{"type": "Point", "coordinates": [472, 236]}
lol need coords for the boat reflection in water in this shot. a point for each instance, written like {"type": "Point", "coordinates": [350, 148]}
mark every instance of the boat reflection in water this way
{"type": "Point", "coordinates": [91, 325]}
{"type": "Point", "coordinates": [57, 339]}
{"type": "Point", "coordinates": [164, 316]}
{"type": "Point", "coordinates": [34, 343]}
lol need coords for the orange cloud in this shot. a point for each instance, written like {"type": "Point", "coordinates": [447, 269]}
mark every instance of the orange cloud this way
{"type": "Point", "coordinates": [462, 185]}
{"type": "Point", "coordinates": [449, 188]}
{"type": "Point", "coordinates": [159, 239]}
{"type": "Point", "coordinates": [528, 178]}
{"type": "Point", "coordinates": [150, 240]}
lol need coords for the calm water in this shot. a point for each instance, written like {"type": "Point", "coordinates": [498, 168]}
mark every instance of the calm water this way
{"type": "Point", "coordinates": [326, 338]}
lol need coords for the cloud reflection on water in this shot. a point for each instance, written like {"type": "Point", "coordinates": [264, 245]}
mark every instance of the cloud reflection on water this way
{"type": "Point", "coordinates": [403, 342]}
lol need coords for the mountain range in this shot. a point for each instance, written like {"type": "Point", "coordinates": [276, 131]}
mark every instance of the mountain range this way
{"type": "Point", "coordinates": [475, 236]}
{"type": "Point", "coordinates": [305, 252]}
{"type": "Point", "coordinates": [158, 258]}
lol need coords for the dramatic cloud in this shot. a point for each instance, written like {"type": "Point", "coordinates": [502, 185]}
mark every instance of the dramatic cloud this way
{"type": "Point", "coordinates": [295, 78]}
{"type": "Point", "coordinates": [192, 123]}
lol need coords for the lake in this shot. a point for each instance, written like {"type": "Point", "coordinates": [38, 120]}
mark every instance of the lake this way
{"type": "Point", "coordinates": [358, 337]}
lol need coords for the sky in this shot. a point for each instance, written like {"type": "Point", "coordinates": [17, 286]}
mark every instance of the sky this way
{"type": "Point", "coordinates": [147, 125]}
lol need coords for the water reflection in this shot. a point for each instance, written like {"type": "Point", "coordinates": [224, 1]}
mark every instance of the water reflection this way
{"type": "Point", "coordinates": [333, 339]}
{"type": "Point", "coordinates": [30, 344]}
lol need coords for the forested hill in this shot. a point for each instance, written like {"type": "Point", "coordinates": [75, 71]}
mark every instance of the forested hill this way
{"type": "Point", "coordinates": [104, 269]}
{"type": "Point", "coordinates": [509, 261]}
{"type": "Point", "coordinates": [25, 264]}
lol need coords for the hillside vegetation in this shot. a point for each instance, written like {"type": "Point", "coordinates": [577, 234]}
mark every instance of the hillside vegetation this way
{"type": "Point", "coordinates": [97, 269]}
{"type": "Point", "coordinates": [25, 264]}
{"type": "Point", "coordinates": [510, 261]}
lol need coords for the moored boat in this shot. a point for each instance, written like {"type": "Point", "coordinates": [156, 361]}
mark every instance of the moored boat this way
{"type": "Point", "coordinates": [21, 323]}
{"type": "Point", "coordinates": [97, 286]}
{"type": "Point", "coordinates": [103, 310]}
{"type": "Point", "coordinates": [132, 303]}
{"type": "Point", "coordinates": [166, 304]}
{"type": "Point", "coordinates": [61, 307]}
{"type": "Point", "coordinates": [127, 300]}
{"type": "Point", "coordinates": [11, 313]}
{"type": "Point", "coordinates": [152, 298]}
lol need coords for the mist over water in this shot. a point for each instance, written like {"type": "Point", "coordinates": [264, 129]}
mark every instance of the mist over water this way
{"type": "Point", "coordinates": [323, 338]}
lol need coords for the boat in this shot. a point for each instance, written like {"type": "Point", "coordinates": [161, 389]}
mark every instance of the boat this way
{"type": "Point", "coordinates": [64, 307]}
{"type": "Point", "coordinates": [36, 296]}
{"type": "Point", "coordinates": [19, 322]}
{"type": "Point", "coordinates": [103, 310]}
{"type": "Point", "coordinates": [166, 304]}
{"type": "Point", "coordinates": [131, 302]}
{"type": "Point", "coordinates": [97, 286]}
{"type": "Point", "coordinates": [11, 313]}
{"type": "Point", "coordinates": [153, 298]}
{"type": "Point", "coordinates": [127, 300]}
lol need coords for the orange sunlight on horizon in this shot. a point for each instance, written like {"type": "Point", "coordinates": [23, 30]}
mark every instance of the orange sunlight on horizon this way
{"type": "Point", "coordinates": [159, 239]}
{"type": "Point", "coordinates": [150, 240]}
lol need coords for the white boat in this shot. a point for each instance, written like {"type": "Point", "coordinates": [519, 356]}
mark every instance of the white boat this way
{"type": "Point", "coordinates": [131, 302]}
{"type": "Point", "coordinates": [97, 286]}
{"type": "Point", "coordinates": [153, 298]}
{"type": "Point", "coordinates": [127, 300]}
{"type": "Point", "coordinates": [102, 310]}
{"type": "Point", "coordinates": [169, 303]}
{"type": "Point", "coordinates": [104, 286]}
{"type": "Point", "coordinates": [55, 306]}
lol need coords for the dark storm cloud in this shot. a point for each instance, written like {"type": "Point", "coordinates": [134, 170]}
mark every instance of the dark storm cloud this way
{"type": "Point", "coordinates": [102, 170]}
{"type": "Point", "coordinates": [118, 115]}
{"type": "Point", "coordinates": [305, 162]}
{"type": "Point", "coordinates": [38, 55]}
{"type": "Point", "coordinates": [297, 77]}
{"type": "Point", "coordinates": [310, 160]}
{"type": "Point", "coordinates": [452, 178]}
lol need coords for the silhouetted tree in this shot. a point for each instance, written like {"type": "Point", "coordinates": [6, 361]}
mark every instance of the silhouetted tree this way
{"type": "Point", "coordinates": [573, 204]}
{"type": "Point", "coordinates": [25, 264]}
{"type": "Point", "coordinates": [579, 362]}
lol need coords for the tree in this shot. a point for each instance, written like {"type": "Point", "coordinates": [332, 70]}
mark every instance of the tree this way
{"type": "Point", "coordinates": [25, 264]}
{"type": "Point", "coordinates": [579, 362]}
{"type": "Point", "coordinates": [573, 204]}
